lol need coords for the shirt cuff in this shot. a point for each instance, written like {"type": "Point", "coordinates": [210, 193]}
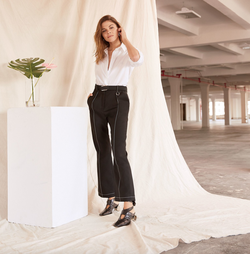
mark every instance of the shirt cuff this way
{"type": "Point", "coordinates": [139, 62]}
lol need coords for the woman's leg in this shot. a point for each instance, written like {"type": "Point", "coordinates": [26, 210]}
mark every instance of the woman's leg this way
{"type": "Point", "coordinates": [124, 189]}
{"type": "Point", "coordinates": [102, 144]}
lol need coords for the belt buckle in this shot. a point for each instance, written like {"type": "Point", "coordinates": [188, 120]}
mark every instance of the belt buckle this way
{"type": "Point", "coordinates": [103, 89]}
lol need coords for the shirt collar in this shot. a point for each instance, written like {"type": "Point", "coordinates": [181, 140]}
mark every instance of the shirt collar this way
{"type": "Point", "coordinates": [122, 46]}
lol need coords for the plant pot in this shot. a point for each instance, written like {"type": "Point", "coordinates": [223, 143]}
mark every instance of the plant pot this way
{"type": "Point", "coordinates": [32, 92]}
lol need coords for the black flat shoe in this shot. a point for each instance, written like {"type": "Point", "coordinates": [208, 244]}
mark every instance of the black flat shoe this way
{"type": "Point", "coordinates": [111, 205]}
{"type": "Point", "coordinates": [128, 216]}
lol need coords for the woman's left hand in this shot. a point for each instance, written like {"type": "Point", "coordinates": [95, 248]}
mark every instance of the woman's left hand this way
{"type": "Point", "coordinates": [132, 51]}
{"type": "Point", "coordinates": [122, 33]}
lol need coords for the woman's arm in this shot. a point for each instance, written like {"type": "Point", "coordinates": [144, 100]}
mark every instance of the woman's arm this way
{"type": "Point", "coordinates": [132, 51]}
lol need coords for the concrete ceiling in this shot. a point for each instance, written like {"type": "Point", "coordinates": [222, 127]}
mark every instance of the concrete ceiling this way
{"type": "Point", "coordinates": [209, 47]}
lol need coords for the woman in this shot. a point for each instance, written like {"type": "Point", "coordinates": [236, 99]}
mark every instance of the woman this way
{"type": "Point", "coordinates": [109, 105]}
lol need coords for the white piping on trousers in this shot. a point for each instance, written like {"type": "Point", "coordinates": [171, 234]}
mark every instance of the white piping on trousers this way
{"type": "Point", "coordinates": [96, 139]}
{"type": "Point", "coordinates": [106, 193]}
{"type": "Point", "coordinates": [126, 197]}
{"type": "Point", "coordinates": [114, 145]}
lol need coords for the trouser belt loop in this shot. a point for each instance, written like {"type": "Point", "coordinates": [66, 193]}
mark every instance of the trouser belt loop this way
{"type": "Point", "coordinates": [117, 91]}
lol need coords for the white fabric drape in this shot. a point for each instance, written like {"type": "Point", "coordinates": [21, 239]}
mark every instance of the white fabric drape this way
{"type": "Point", "coordinates": [171, 205]}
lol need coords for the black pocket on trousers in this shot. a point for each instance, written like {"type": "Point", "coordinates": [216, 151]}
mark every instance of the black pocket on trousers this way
{"type": "Point", "coordinates": [89, 99]}
{"type": "Point", "coordinates": [124, 96]}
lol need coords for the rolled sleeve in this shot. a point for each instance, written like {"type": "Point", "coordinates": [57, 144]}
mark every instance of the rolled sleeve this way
{"type": "Point", "coordinates": [139, 62]}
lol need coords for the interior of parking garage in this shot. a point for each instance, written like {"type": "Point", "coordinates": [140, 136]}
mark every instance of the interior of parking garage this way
{"type": "Point", "coordinates": [205, 70]}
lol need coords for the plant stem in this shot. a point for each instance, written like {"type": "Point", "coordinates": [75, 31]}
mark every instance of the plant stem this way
{"type": "Point", "coordinates": [33, 91]}
{"type": "Point", "coordinates": [32, 94]}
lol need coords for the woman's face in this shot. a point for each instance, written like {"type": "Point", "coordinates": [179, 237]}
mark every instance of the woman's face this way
{"type": "Point", "coordinates": [109, 31]}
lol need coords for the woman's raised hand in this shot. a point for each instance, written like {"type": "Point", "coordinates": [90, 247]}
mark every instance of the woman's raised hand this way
{"type": "Point", "coordinates": [122, 34]}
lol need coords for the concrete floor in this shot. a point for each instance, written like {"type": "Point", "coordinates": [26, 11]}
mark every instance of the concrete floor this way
{"type": "Point", "coordinates": [219, 158]}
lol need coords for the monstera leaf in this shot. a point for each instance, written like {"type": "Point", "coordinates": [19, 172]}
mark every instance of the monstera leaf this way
{"type": "Point", "coordinates": [29, 67]}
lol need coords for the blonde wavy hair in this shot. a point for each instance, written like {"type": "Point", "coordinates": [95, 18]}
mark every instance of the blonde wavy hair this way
{"type": "Point", "coordinates": [100, 43]}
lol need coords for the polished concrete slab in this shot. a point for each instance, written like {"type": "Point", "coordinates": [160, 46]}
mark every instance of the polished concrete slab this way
{"type": "Point", "coordinates": [219, 158]}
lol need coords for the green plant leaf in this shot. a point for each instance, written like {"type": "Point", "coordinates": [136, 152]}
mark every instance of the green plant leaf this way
{"type": "Point", "coordinates": [29, 67]}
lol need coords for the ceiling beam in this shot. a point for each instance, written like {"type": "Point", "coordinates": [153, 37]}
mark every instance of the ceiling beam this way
{"type": "Point", "coordinates": [198, 68]}
{"type": "Point", "coordinates": [233, 10]}
{"type": "Point", "coordinates": [231, 34]}
{"type": "Point", "coordinates": [232, 48]}
{"type": "Point", "coordinates": [231, 75]}
{"type": "Point", "coordinates": [187, 52]}
{"type": "Point", "coordinates": [176, 23]}
{"type": "Point", "coordinates": [240, 70]}
{"type": "Point", "coordinates": [228, 66]}
{"type": "Point", "coordinates": [209, 58]}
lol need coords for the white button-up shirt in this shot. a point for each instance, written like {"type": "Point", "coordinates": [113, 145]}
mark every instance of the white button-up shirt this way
{"type": "Point", "coordinates": [120, 68]}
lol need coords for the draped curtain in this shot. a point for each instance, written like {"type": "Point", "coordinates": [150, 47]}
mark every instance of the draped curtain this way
{"type": "Point", "coordinates": [171, 205]}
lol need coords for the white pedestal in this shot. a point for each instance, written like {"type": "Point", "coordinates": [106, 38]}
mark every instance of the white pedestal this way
{"type": "Point", "coordinates": [47, 165]}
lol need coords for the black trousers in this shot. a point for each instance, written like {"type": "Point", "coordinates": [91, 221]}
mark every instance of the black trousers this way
{"type": "Point", "coordinates": [109, 105]}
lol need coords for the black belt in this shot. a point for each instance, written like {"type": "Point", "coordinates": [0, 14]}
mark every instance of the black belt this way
{"type": "Point", "coordinates": [111, 88]}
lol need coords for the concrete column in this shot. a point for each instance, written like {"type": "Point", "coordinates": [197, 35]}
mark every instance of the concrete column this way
{"type": "Point", "coordinates": [227, 105]}
{"type": "Point", "coordinates": [197, 100]}
{"type": "Point", "coordinates": [244, 113]}
{"type": "Point", "coordinates": [235, 107]}
{"type": "Point", "coordinates": [175, 102]}
{"type": "Point", "coordinates": [205, 104]}
{"type": "Point", "coordinates": [188, 109]}
{"type": "Point", "coordinates": [214, 112]}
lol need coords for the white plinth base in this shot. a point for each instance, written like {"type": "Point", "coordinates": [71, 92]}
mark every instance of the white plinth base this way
{"type": "Point", "coordinates": [47, 165]}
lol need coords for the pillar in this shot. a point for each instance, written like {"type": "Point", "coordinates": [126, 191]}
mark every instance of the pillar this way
{"type": "Point", "coordinates": [197, 101]}
{"type": "Point", "coordinates": [214, 111]}
{"type": "Point", "coordinates": [227, 105]}
{"type": "Point", "coordinates": [205, 104]}
{"type": "Point", "coordinates": [175, 102]}
{"type": "Point", "coordinates": [244, 113]}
